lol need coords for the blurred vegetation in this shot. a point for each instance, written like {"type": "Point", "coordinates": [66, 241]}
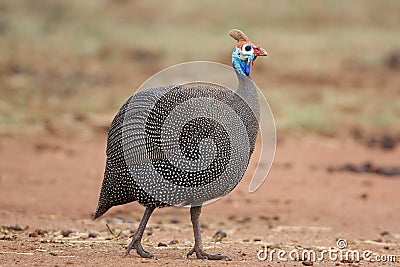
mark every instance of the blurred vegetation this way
{"type": "Point", "coordinates": [67, 66]}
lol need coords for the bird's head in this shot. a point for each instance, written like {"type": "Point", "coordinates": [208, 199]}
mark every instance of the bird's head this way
{"type": "Point", "coordinates": [245, 52]}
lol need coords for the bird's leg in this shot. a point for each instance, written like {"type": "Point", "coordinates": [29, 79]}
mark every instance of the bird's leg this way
{"type": "Point", "coordinates": [137, 237]}
{"type": "Point", "coordinates": [198, 245]}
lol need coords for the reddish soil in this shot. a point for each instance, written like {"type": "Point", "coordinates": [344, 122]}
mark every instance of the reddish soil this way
{"type": "Point", "coordinates": [49, 187]}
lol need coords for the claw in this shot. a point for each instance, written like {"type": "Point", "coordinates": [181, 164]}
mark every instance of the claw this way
{"type": "Point", "coordinates": [139, 249]}
{"type": "Point", "coordinates": [201, 254]}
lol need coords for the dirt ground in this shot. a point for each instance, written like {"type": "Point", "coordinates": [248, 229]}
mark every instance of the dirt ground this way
{"type": "Point", "coordinates": [333, 67]}
{"type": "Point", "coordinates": [49, 188]}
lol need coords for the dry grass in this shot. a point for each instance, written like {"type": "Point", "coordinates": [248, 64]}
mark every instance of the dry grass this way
{"type": "Point", "coordinates": [69, 65]}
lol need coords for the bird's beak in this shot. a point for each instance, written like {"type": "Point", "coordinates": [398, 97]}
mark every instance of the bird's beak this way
{"type": "Point", "coordinates": [261, 52]}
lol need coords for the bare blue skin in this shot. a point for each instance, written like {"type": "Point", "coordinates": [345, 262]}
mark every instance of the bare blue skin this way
{"type": "Point", "coordinates": [242, 63]}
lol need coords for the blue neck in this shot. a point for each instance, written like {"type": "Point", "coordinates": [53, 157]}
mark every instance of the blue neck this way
{"type": "Point", "coordinates": [240, 64]}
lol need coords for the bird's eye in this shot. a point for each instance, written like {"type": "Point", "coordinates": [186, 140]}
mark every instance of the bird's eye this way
{"type": "Point", "coordinates": [247, 49]}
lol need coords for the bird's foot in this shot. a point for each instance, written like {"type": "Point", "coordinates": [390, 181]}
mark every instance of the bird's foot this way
{"type": "Point", "coordinates": [135, 243]}
{"type": "Point", "coordinates": [201, 254]}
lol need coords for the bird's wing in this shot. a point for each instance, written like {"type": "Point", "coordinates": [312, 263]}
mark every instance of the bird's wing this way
{"type": "Point", "coordinates": [135, 134]}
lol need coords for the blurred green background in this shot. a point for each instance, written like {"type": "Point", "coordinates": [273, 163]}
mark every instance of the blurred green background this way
{"type": "Point", "coordinates": [67, 66]}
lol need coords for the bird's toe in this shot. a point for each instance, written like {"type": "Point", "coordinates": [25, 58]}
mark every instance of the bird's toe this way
{"type": "Point", "coordinates": [201, 254]}
{"type": "Point", "coordinates": [139, 249]}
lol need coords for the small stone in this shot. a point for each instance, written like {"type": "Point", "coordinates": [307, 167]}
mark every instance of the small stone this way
{"type": "Point", "coordinates": [33, 234]}
{"type": "Point", "coordinates": [330, 169]}
{"type": "Point", "coordinates": [246, 240]}
{"type": "Point", "coordinates": [256, 239]}
{"type": "Point", "coordinates": [383, 233]}
{"type": "Point", "coordinates": [66, 233]}
{"type": "Point", "coordinates": [350, 261]}
{"type": "Point", "coordinates": [231, 217]}
{"type": "Point", "coordinates": [388, 171]}
{"type": "Point", "coordinates": [92, 235]}
{"type": "Point", "coordinates": [244, 219]}
{"type": "Point", "coordinates": [388, 142]}
{"type": "Point", "coordinates": [173, 242]}
{"type": "Point", "coordinates": [307, 263]}
{"type": "Point", "coordinates": [276, 218]}
{"type": "Point", "coordinates": [218, 236]}
{"type": "Point", "coordinates": [392, 60]}
{"type": "Point", "coordinates": [174, 220]}
{"type": "Point", "coordinates": [162, 245]}
{"type": "Point", "coordinates": [386, 247]}
{"type": "Point", "coordinates": [15, 228]}
{"type": "Point", "coordinates": [364, 196]}
{"type": "Point", "coordinates": [52, 253]}
{"type": "Point", "coordinates": [41, 232]}
{"type": "Point", "coordinates": [366, 167]}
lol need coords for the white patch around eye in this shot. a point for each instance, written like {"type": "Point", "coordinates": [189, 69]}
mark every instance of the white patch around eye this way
{"type": "Point", "coordinates": [247, 49]}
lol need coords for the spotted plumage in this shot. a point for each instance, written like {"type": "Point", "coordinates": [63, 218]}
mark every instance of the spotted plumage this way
{"type": "Point", "coordinates": [190, 159]}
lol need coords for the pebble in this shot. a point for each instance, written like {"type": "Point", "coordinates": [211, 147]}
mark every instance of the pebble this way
{"type": "Point", "coordinates": [383, 233]}
{"type": "Point", "coordinates": [386, 141]}
{"type": "Point", "coordinates": [33, 234]}
{"type": "Point", "coordinates": [218, 236]}
{"type": "Point", "coordinates": [392, 60]}
{"type": "Point", "coordinates": [276, 218]}
{"type": "Point", "coordinates": [41, 232]}
{"type": "Point", "coordinates": [389, 171]}
{"type": "Point", "coordinates": [92, 235]}
{"type": "Point", "coordinates": [244, 219]}
{"type": "Point", "coordinates": [15, 228]}
{"type": "Point", "coordinates": [66, 233]}
{"type": "Point", "coordinates": [231, 217]}
{"type": "Point", "coordinates": [162, 245]}
{"type": "Point", "coordinates": [173, 242]}
{"type": "Point", "coordinates": [174, 220]}
{"type": "Point", "coordinates": [366, 168]}
{"type": "Point", "coordinates": [307, 263]}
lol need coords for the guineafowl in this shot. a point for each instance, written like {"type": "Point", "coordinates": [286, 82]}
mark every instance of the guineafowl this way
{"type": "Point", "coordinates": [189, 159]}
